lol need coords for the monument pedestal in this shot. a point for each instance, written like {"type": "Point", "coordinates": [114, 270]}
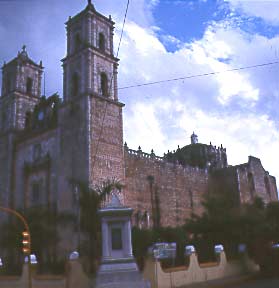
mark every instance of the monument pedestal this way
{"type": "Point", "coordinates": [121, 273]}
{"type": "Point", "coordinates": [118, 268]}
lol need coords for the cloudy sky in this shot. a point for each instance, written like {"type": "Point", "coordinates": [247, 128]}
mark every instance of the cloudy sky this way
{"type": "Point", "coordinates": [166, 39]}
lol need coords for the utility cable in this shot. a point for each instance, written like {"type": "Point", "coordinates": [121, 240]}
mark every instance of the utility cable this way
{"type": "Point", "coordinates": [110, 88]}
{"type": "Point", "coordinates": [198, 75]}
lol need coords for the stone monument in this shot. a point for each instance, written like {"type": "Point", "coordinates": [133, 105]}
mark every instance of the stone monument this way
{"type": "Point", "coordinates": [118, 268]}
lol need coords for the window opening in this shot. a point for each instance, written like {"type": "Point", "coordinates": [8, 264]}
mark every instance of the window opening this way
{"type": "Point", "coordinates": [101, 42]}
{"type": "Point", "coordinates": [29, 85]}
{"type": "Point", "coordinates": [104, 84]}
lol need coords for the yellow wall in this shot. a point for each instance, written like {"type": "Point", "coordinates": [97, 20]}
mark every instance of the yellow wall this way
{"type": "Point", "coordinates": [176, 277]}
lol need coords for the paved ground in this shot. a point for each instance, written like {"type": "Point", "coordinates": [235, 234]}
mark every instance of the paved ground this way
{"type": "Point", "coordinates": [261, 283]}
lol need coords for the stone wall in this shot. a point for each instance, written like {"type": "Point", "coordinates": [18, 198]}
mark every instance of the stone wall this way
{"type": "Point", "coordinates": [36, 160]}
{"type": "Point", "coordinates": [106, 140]}
{"type": "Point", "coordinates": [255, 181]}
{"type": "Point", "coordinates": [163, 193]}
{"type": "Point", "coordinates": [73, 133]}
{"type": "Point", "coordinates": [225, 182]}
{"type": "Point", "coordinates": [245, 182]}
{"type": "Point", "coordinates": [6, 160]}
{"type": "Point", "coordinates": [156, 186]}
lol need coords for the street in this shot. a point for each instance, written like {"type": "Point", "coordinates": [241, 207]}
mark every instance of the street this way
{"type": "Point", "coordinates": [260, 283]}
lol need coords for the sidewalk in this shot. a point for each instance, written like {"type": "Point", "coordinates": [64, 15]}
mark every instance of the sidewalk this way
{"type": "Point", "coordinates": [225, 283]}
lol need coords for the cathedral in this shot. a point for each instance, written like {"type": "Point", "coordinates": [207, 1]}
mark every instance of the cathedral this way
{"type": "Point", "coordinates": [47, 141]}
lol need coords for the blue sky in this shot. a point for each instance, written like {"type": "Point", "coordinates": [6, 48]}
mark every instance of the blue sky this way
{"type": "Point", "coordinates": [167, 39]}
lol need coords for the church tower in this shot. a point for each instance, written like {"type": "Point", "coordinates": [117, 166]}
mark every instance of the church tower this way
{"type": "Point", "coordinates": [92, 128]}
{"type": "Point", "coordinates": [90, 67]}
{"type": "Point", "coordinates": [21, 90]}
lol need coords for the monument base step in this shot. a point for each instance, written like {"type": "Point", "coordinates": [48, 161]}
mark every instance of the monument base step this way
{"type": "Point", "coordinates": [120, 275]}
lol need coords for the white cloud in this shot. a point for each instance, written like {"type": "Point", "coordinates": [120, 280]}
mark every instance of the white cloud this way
{"type": "Point", "coordinates": [225, 108]}
{"type": "Point", "coordinates": [237, 109]}
{"type": "Point", "coordinates": [267, 10]}
{"type": "Point", "coordinates": [241, 134]}
{"type": "Point", "coordinates": [143, 127]}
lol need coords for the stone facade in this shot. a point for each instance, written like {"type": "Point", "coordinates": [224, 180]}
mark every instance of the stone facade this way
{"type": "Point", "coordinates": [46, 142]}
{"type": "Point", "coordinates": [166, 193]}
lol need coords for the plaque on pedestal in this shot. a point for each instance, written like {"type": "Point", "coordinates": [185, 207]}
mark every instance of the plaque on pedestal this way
{"type": "Point", "coordinates": [118, 267]}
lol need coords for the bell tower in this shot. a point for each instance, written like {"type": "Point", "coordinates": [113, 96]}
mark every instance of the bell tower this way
{"type": "Point", "coordinates": [92, 123]}
{"type": "Point", "coordinates": [21, 90]}
{"type": "Point", "coordinates": [90, 67]}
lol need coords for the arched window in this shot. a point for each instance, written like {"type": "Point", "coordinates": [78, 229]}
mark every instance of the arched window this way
{"type": "Point", "coordinates": [102, 42]}
{"type": "Point", "coordinates": [75, 85]}
{"type": "Point", "coordinates": [29, 85]}
{"type": "Point", "coordinates": [104, 84]}
{"type": "Point", "coordinates": [77, 42]}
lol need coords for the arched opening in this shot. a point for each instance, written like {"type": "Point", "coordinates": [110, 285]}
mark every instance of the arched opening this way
{"type": "Point", "coordinates": [29, 85]}
{"type": "Point", "coordinates": [75, 84]}
{"type": "Point", "coordinates": [77, 42]}
{"type": "Point", "coordinates": [104, 84]}
{"type": "Point", "coordinates": [102, 42]}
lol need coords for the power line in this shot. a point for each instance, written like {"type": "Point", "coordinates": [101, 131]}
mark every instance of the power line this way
{"type": "Point", "coordinates": [198, 75]}
{"type": "Point", "coordinates": [110, 88]}
{"type": "Point", "coordinates": [124, 21]}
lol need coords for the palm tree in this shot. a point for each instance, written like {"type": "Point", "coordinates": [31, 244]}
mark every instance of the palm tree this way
{"type": "Point", "coordinates": [90, 200]}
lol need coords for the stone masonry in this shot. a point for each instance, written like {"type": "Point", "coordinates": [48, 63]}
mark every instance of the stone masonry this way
{"type": "Point", "coordinates": [45, 142]}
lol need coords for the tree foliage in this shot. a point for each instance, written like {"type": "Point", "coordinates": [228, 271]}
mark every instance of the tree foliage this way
{"type": "Point", "coordinates": [144, 238]}
{"type": "Point", "coordinates": [44, 224]}
{"type": "Point", "coordinates": [90, 200]}
{"type": "Point", "coordinates": [255, 224]}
